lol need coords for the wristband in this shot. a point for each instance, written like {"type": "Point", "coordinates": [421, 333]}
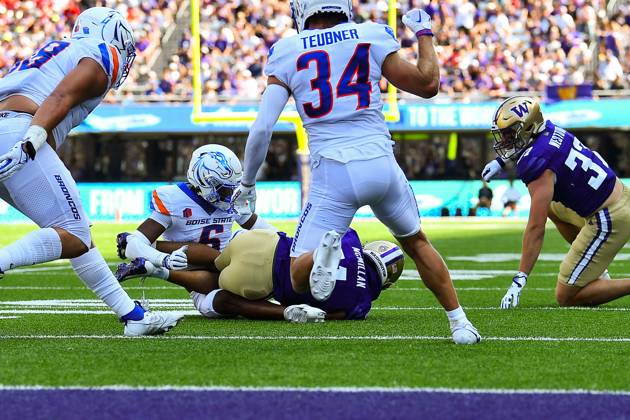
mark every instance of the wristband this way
{"type": "Point", "coordinates": [502, 164]}
{"type": "Point", "coordinates": [36, 136]}
{"type": "Point", "coordinates": [424, 32]}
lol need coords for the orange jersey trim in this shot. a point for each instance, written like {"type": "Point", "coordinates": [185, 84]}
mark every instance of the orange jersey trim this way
{"type": "Point", "coordinates": [160, 205]}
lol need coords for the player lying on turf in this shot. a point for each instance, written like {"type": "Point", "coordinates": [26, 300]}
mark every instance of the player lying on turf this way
{"type": "Point", "coordinates": [195, 212]}
{"type": "Point", "coordinates": [575, 188]}
{"type": "Point", "coordinates": [41, 99]}
{"type": "Point", "coordinates": [256, 265]}
{"type": "Point", "coordinates": [333, 68]}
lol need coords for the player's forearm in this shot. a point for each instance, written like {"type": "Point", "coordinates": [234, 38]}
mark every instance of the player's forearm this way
{"type": "Point", "coordinates": [199, 255]}
{"type": "Point", "coordinates": [532, 244]}
{"type": "Point", "coordinates": [227, 303]}
{"type": "Point", "coordinates": [138, 246]}
{"type": "Point", "coordinates": [428, 67]}
{"type": "Point", "coordinates": [52, 111]}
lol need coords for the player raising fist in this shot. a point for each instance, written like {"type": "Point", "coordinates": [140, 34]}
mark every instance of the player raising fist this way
{"type": "Point", "coordinates": [333, 67]}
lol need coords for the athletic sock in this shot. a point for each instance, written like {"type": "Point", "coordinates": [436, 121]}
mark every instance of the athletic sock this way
{"type": "Point", "coordinates": [456, 316]}
{"type": "Point", "coordinates": [136, 315]}
{"type": "Point", "coordinates": [96, 275]}
{"type": "Point", "coordinates": [37, 247]}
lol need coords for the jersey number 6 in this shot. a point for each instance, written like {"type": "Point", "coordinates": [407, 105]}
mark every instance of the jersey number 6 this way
{"type": "Point", "coordinates": [207, 236]}
{"type": "Point", "coordinates": [355, 79]}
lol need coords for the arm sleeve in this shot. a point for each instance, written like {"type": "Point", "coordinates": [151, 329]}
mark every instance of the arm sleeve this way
{"type": "Point", "coordinates": [138, 246]}
{"type": "Point", "coordinates": [273, 101]}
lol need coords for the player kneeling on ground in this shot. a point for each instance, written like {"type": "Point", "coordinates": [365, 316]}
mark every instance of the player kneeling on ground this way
{"type": "Point", "coordinates": [256, 265]}
{"type": "Point", "coordinates": [41, 99]}
{"type": "Point", "coordinates": [195, 212]}
{"type": "Point", "coordinates": [575, 188]}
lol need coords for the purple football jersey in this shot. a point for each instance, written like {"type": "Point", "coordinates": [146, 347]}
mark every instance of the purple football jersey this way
{"type": "Point", "coordinates": [358, 283]}
{"type": "Point", "coordinates": [583, 179]}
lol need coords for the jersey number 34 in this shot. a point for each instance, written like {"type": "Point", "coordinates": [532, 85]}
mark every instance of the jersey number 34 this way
{"type": "Point", "coordinates": [355, 80]}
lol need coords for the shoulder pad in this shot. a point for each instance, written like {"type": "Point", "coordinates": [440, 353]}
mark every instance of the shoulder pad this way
{"type": "Point", "coordinates": [531, 166]}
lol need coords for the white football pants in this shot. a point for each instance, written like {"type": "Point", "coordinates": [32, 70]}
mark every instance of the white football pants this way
{"type": "Point", "coordinates": [339, 189]}
{"type": "Point", "coordinates": [43, 190]}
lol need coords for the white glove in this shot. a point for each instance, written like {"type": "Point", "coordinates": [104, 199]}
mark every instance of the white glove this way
{"type": "Point", "coordinates": [242, 196]}
{"type": "Point", "coordinates": [491, 169]}
{"type": "Point", "coordinates": [13, 161]}
{"type": "Point", "coordinates": [177, 260]}
{"type": "Point", "coordinates": [510, 300]}
{"type": "Point", "coordinates": [304, 313]}
{"type": "Point", "coordinates": [418, 21]}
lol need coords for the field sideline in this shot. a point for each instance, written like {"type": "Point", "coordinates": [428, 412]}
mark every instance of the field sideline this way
{"type": "Point", "coordinates": [54, 333]}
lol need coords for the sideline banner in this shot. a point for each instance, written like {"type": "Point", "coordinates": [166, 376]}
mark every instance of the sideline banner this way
{"type": "Point", "coordinates": [282, 200]}
{"type": "Point", "coordinates": [420, 116]}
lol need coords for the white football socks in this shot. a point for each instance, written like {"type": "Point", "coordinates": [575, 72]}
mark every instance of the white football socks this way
{"type": "Point", "coordinates": [456, 316]}
{"type": "Point", "coordinates": [95, 273]}
{"type": "Point", "coordinates": [37, 247]}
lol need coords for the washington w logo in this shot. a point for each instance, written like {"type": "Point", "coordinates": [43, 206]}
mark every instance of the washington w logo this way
{"type": "Point", "coordinates": [520, 109]}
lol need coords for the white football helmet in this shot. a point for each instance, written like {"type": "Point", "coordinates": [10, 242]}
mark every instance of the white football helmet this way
{"type": "Point", "coordinates": [214, 173]}
{"type": "Point", "coordinates": [388, 259]}
{"type": "Point", "coordinates": [110, 26]}
{"type": "Point", "coordinates": [304, 9]}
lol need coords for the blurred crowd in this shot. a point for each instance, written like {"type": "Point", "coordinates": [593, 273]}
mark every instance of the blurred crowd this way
{"type": "Point", "coordinates": [486, 47]}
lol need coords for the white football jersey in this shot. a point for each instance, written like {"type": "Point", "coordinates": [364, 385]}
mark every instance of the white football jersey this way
{"type": "Point", "coordinates": [37, 76]}
{"type": "Point", "coordinates": [191, 218]}
{"type": "Point", "coordinates": [334, 77]}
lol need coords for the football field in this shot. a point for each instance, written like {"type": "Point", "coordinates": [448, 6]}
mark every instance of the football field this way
{"type": "Point", "coordinates": [58, 341]}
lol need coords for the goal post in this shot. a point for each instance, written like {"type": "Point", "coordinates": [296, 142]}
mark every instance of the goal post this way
{"type": "Point", "coordinates": [199, 116]}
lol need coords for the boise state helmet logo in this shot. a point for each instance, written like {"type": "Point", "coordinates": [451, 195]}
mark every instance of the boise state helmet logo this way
{"type": "Point", "coordinates": [223, 169]}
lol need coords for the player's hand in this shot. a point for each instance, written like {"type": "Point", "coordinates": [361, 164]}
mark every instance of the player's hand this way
{"type": "Point", "coordinates": [418, 21]}
{"type": "Point", "coordinates": [244, 195]}
{"type": "Point", "coordinates": [177, 260]}
{"type": "Point", "coordinates": [491, 169]}
{"type": "Point", "coordinates": [13, 161]}
{"type": "Point", "coordinates": [511, 298]}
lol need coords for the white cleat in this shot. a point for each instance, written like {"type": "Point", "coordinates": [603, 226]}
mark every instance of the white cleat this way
{"type": "Point", "coordinates": [301, 314]}
{"type": "Point", "coordinates": [325, 265]}
{"type": "Point", "coordinates": [465, 333]}
{"type": "Point", "coordinates": [153, 323]}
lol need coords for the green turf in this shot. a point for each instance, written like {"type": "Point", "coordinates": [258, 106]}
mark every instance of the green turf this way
{"type": "Point", "coordinates": [362, 361]}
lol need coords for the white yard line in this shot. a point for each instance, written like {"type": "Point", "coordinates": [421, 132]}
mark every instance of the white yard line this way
{"type": "Point", "coordinates": [313, 338]}
{"type": "Point", "coordinates": [345, 389]}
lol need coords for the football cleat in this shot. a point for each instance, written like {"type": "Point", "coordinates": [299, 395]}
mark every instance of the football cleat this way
{"type": "Point", "coordinates": [153, 323]}
{"type": "Point", "coordinates": [121, 244]}
{"type": "Point", "coordinates": [138, 267]}
{"type": "Point", "coordinates": [301, 314]}
{"type": "Point", "coordinates": [325, 265]}
{"type": "Point", "coordinates": [465, 333]}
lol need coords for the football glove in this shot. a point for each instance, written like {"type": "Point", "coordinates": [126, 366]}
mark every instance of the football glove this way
{"type": "Point", "coordinates": [244, 195]}
{"type": "Point", "coordinates": [13, 161]}
{"type": "Point", "coordinates": [418, 21]}
{"type": "Point", "coordinates": [492, 169]}
{"type": "Point", "coordinates": [511, 298]}
{"type": "Point", "coordinates": [177, 260]}
{"type": "Point", "coordinates": [121, 244]}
